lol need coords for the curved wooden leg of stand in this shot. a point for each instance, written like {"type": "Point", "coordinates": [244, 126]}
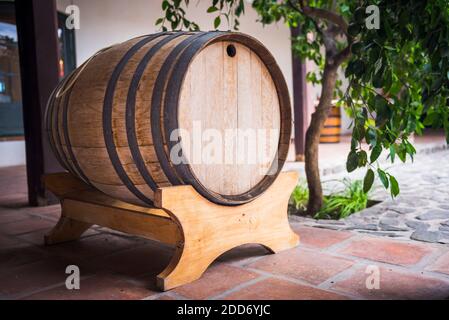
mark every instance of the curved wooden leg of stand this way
{"type": "Point", "coordinates": [209, 230]}
{"type": "Point", "coordinates": [66, 230]}
{"type": "Point", "coordinates": [183, 268]}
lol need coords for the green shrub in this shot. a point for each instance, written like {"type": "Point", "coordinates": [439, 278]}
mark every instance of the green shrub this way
{"type": "Point", "coordinates": [299, 198]}
{"type": "Point", "coordinates": [342, 204]}
{"type": "Point", "coordinates": [338, 205]}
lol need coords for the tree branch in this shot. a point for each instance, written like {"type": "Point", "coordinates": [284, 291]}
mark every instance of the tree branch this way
{"type": "Point", "coordinates": [327, 15]}
{"type": "Point", "coordinates": [299, 9]}
{"type": "Point", "coordinates": [342, 55]}
{"type": "Point", "coordinates": [337, 22]}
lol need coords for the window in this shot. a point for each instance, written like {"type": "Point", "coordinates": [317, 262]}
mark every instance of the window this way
{"type": "Point", "coordinates": [66, 42]}
{"type": "Point", "coordinates": [10, 90]}
{"type": "Point", "coordinates": [11, 123]}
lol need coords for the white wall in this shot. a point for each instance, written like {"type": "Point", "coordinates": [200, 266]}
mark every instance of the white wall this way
{"type": "Point", "coordinates": [12, 153]}
{"type": "Point", "coordinates": [106, 22]}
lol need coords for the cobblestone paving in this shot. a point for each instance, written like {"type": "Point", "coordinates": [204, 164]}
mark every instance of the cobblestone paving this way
{"type": "Point", "coordinates": [420, 212]}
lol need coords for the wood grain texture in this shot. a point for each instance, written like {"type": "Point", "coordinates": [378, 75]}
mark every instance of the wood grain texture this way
{"type": "Point", "coordinates": [209, 230]}
{"type": "Point", "coordinates": [113, 146]}
{"type": "Point", "coordinates": [200, 230]}
{"type": "Point", "coordinates": [66, 230]}
{"type": "Point", "coordinates": [83, 206]}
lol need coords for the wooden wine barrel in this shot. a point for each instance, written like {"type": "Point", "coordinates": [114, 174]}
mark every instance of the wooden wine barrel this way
{"type": "Point", "coordinates": [122, 121]}
{"type": "Point", "coordinates": [332, 127]}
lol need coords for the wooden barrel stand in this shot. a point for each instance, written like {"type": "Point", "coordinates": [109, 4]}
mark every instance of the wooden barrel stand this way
{"type": "Point", "coordinates": [200, 229]}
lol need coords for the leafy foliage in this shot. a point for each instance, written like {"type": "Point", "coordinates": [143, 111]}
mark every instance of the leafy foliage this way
{"type": "Point", "coordinates": [338, 205]}
{"type": "Point", "coordinates": [300, 197]}
{"type": "Point", "coordinates": [175, 16]}
{"type": "Point", "coordinates": [343, 204]}
{"type": "Point", "coordinates": [227, 10]}
{"type": "Point", "coordinates": [398, 74]}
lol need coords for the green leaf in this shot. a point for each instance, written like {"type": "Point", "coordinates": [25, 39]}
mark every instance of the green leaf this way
{"type": "Point", "coordinates": [212, 9]}
{"type": "Point", "coordinates": [383, 178]}
{"type": "Point", "coordinates": [174, 24]}
{"type": "Point", "coordinates": [176, 3]}
{"type": "Point", "coordinates": [368, 181]}
{"type": "Point", "coordinates": [394, 186]}
{"type": "Point", "coordinates": [430, 118]}
{"type": "Point", "coordinates": [410, 149]}
{"type": "Point", "coordinates": [165, 5]}
{"type": "Point", "coordinates": [374, 53]}
{"type": "Point", "coordinates": [363, 158]}
{"type": "Point", "coordinates": [388, 81]}
{"type": "Point", "coordinates": [159, 21]}
{"type": "Point", "coordinates": [354, 29]}
{"type": "Point", "coordinates": [217, 22]}
{"type": "Point", "coordinates": [378, 78]}
{"type": "Point", "coordinates": [371, 137]}
{"type": "Point", "coordinates": [344, 8]}
{"type": "Point", "coordinates": [375, 153]}
{"type": "Point", "coordinates": [402, 152]}
{"type": "Point", "coordinates": [356, 47]}
{"type": "Point", "coordinates": [380, 103]}
{"type": "Point", "coordinates": [354, 143]}
{"type": "Point", "coordinates": [392, 153]}
{"type": "Point", "coordinates": [359, 131]}
{"type": "Point", "coordinates": [352, 162]}
{"type": "Point", "coordinates": [240, 8]}
{"type": "Point", "coordinates": [355, 67]}
{"type": "Point", "coordinates": [169, 15]}
{"type": "Point", "coordinates": [382, 110]}
{"type": "Point", "coordinates": [360, 15]}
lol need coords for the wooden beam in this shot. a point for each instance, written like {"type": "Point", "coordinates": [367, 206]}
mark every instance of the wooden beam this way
{"type": "Point", "coordinates": [38, 50]}
{"type": "Point", "coordinates": [299, 102]}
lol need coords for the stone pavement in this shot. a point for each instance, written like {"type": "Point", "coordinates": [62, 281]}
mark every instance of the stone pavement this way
{"type": "Point", "coordinates": [328, 264]}
{"type": "Point", "coordinates": [420, 212]}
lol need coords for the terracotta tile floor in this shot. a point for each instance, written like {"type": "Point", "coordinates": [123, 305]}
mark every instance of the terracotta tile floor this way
{"type": "Point", "coordinates": [327, 265]}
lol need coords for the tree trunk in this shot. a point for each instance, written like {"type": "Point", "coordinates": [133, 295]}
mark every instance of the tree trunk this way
{"type": "Point", "coordinates": [313, 139]}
